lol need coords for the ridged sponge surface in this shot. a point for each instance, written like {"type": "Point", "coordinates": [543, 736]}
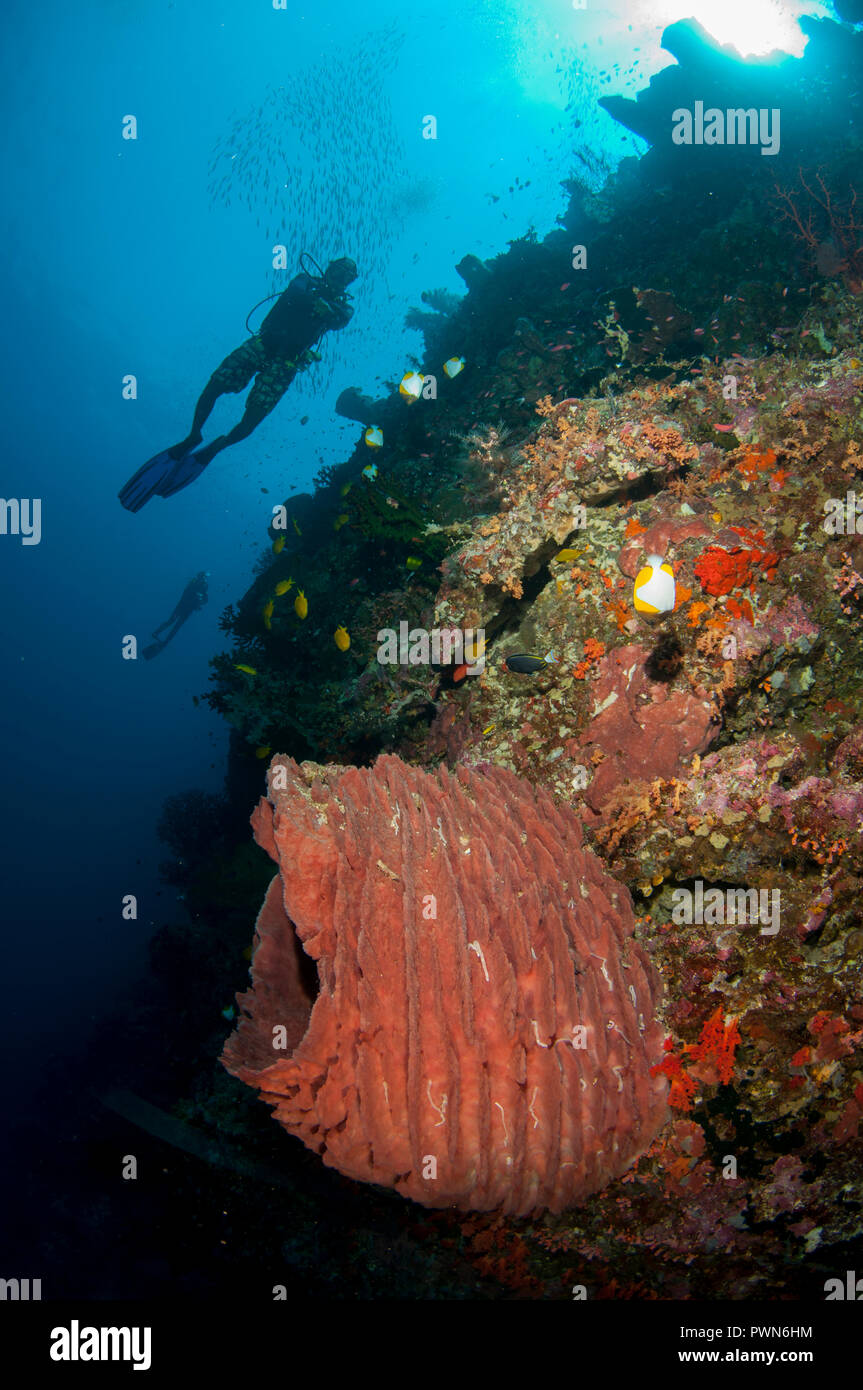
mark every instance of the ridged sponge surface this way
{"type": "Point", "coordinates": [483, 1024]}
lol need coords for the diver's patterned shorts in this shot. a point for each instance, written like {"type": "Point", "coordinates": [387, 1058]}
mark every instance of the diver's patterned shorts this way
{"type": "Point", "coordinates": [273, 374]}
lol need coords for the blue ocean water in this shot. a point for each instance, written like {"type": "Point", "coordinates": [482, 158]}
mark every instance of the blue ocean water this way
{"type": "Point", "coordinates": [120, 260]}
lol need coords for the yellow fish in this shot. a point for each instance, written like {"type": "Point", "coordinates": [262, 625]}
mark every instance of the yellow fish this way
{"type": "Point", "coordinates": [413, 562]}
{"type": "Point", "coordinates": [655, 590]}
{"type": "Point", "coordinates": [283, 586]}
{"type": "Point", "coordinates": [340, 521]}
{"type": "Point", "coordinates": [268, 613]}
{"type": "Point", "coordinates": [341, 639]}
{"type": "Point", "coordinates": [249, 670]}
{"type": "Point", "coordinates": [264, 751]}
{"type": "Point", "coordinates": [345, 489]}
{"type": "Point", "coordinates": [411, 386]}
{"type": "Point", "coordinates": [295, 526]}
{"type": "Point", "coordinates": [301, 604]}
{"type": "Point", "coordinates": [487, 730]}
{"type": "Point", "coordinates": [278, 545]}
{"type": "Point", "coordinates": [565, 557]}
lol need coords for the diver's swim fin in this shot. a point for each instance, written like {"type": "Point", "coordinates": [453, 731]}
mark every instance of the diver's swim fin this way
{"type": "Point", "coordinates": [160, 476]}
{"type": "Point", "coordinates": [183, 472]}
{"type": "Point", "coordinates": [153, 650]}
{"type": "Point", "coordinates": [146, 482]}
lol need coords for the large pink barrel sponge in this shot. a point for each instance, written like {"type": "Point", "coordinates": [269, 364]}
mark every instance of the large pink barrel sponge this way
{"type": "Point", "coordinates": [484, 1025]}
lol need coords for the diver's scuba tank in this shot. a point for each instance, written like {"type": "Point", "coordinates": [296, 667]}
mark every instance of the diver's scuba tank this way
{"type": "Point", "coordinates": [319, 280]}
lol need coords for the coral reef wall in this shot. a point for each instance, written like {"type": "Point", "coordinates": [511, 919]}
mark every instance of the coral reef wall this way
{"type": "Point", "coordinates": [694, 393]}
{"type": "Point", "coordinates": [485, 1025]}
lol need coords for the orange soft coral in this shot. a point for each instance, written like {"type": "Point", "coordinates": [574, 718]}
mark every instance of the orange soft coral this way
{"type": "Point", "coordinates": [683, 1088]}
{"type": "Point", "coordinates": [619, 611]}
{"type": "Point", "coordinates": [721, 570]}
{"type": "Point", "coordinates": [740, 608]}
{"type": "Point", "coordinates": [713, 1055]}
{"type": "Point", "coordinates": [717, 1045]}
{"type": "Point", "coordinates": [755, 463]}
{"type": "Point", "coordinates": [593, 650]}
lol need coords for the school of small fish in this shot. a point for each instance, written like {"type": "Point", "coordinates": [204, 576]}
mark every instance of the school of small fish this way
{"type": "Point", "coordinates": [284, 159]}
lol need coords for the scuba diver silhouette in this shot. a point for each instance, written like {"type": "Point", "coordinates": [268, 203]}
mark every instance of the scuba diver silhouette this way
{"type": "Point", "coordinates": [285, 343]}
{"type": "Point", "coordinates": [193, 597]}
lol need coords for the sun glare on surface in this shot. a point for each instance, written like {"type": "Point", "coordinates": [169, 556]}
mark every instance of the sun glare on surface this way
{"type": "Point", "coordinates": [753, 27]}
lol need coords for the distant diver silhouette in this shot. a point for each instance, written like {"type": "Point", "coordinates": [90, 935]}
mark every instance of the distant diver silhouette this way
{"type": "Point", "coordinates": [193, 597]}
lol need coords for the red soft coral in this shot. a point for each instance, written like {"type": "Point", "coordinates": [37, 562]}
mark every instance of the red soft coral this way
{"type": "Point", "coordinates": [713, 1056]}
{"type": "Point", "coordinates": [719, 571]}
